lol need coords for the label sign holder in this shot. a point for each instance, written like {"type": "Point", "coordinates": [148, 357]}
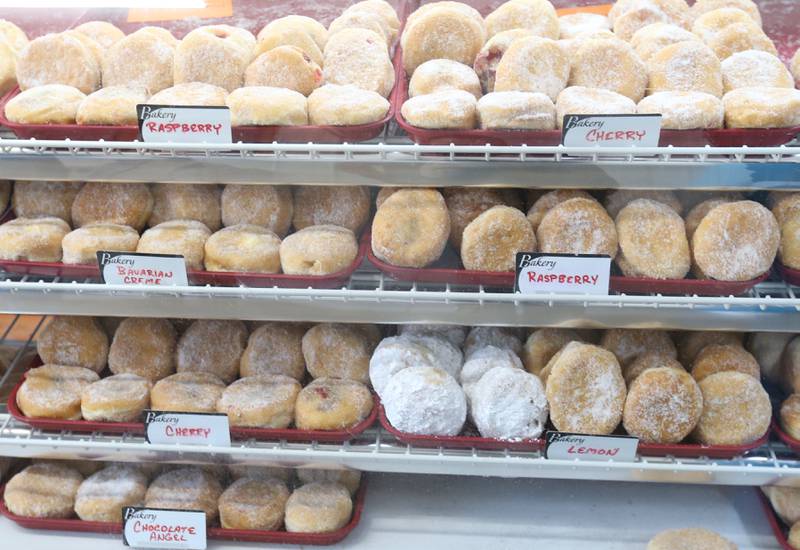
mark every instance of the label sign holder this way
{"type": "Point", "coordinates": [144, 527]}
{"type": "Point", "coordinates": [575, 446]}
{"type": "Point", "coordinates": [542, 273]}
{"type": "Point", "coordinates": [611, 130]}
{"type": "Point", "coordinates": [184, 123]}
{"type": "Point", "coordinates": [196, 428]}
{"type": "Point", "coordinates": [135, 268]}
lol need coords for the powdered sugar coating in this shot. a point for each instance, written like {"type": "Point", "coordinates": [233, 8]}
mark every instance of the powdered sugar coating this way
{"type": "Point", "coordinates": [112, 105]}
{"type": "Point", "coordinates": [394, 354]}
{"type": "Point", "coordinates": [480, 337]}
{"type": "Point", "coordinates": [748, 6]}
{"type": "Point", "coordinates": [186, 488]}
{"type": "Point", "coordinates": [516, 110]}
{"type": "Point", "coordinates": [346, 206]}
{"type": "Point", "coordinates": [289, 37]}
{"type": "Point", "coordinates": [441, 31]}
{"type": "Point", "coordinates": [284, 67]}
{"type": "Point", "coordinates": [762, 108]}
{"type": "Point", "coordinates": [75, 342]}
{"type": "Point", "coordinates": [577, 226]}
{"type": "Point", "coordinates": [46, 104]}
{"type": "Point", "coordinates": [740, 37]}
{"type": "Point", "coordinates": [736, 410]}
{"type": "Point", "coordinates": [444, 109]}
{"type": "Point", "coordinates": [575, 24]}
{"type": "Point", "coordinates": [533, 64]}
{"type": "Point", "coordinates": [491, 241]}
{"type": "Point", "coordinates": [628, 344]}
{"type": "Point", "coordinates": [318, 507]}
{"type": "Point", "coordinates": [106, 202]}
{"type": "Point", "coordinates": [482, 361]}
{"type": "Point", "coordinates": [250, 503]}
{"type": "Point", "coordinates": [676, 11]}
{"type": "Point", "coordinates": [267, 106]}
{"type": "Point", "coordinates": [13, 35]}
{"type": "Point", "coordinates": [298, 23]}
{"type": "Point", "coordinates": [455, 334]}
{"type": "Point", "coordinates": [337, 105]}
{"type": "Point", "coordinates": [610, 65]}
{"type": "Point", "coordinates": [446, 355]}
{"type": "Point", "coordinates": [358, 57]}
{"type": "Point", "coordinates": [337, 350]}
{"type": "Point", "coordinates": [382, 8]}
{"type": "Point", "coordinates": [274, 348]}
{"type": "Point", "coordinates": [686, 66]}
{"type": "Point", "coordinates": [425, 400]}
{"type": "Point", "coordinates": [265, 205]}
{"type": "Point", "coordinates": [509, 404]}
{"type": "Point", "coordinates": [44, 490]}
{"type": "Point", "coordinates": [754, 68]}
{"type": "Point", "coordinates": [54, 391]}
{"type": "Point", "coordinates": [709, 24]}
{"type": "Point", "coordinates": [61, 58]}
{"type": "Point", "coordinates": [537, 15]}
{"type": "Point", "coordinates": [361, 19]}
{"type": "Point", "coordinates": [102, 32]}
{"type": "Point", "coordinates": [263, 401]}
{"type": "Point", "coordinates": [32, 239]}
{"type": "Point", "coordinates": [580, 100]}
{"type": "Point", "coordinates": [443, 74]}
{"type": "Point", "coordinates": [684, 110]}
{"type": "Point", "coordinates": [332, 404]}
{"type": "Point", "coordinates": [143, 58]}
{"type": "Point", "coordinates": [186, 201]}
{"type": "Point", "coordinates": [492, 52]}
{"type": "Point", "coordinates": [35, 199]}
{"type": "Point", "coordinates": [628, 24]}
{"type": "Point", "coordinates": [213, 346]}
{"type": "Point", "coordinates": [117, 398]}
{"type": "Point", "coordinates": [185, 238]}
{"type": "Point", "coordinates": [650, 39]}
{"type": "Point", "coordinates": [102, 495]}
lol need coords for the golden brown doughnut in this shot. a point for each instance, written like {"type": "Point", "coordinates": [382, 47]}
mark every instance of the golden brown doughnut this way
{"type": "Point", "coordinates": [284, 67]}
{"type": "Point", "coordinates": [318, 507]}
{"type": "Point", "coordinates": [442, 32]}
{"type": "Point", "coordinates": [684, 110]}
{"type": "Point", "coordinates": [333, 105]}
{"type": "Point", "coordinates": [533, 64]}
{"type": "Point", "coordinates": [113, 105]}
{"type": "Point", "coordinates": [32, 239]}
{"type": "Point", "coordinates": [186, 488]}
{"type": "Point", "coordinates": [298, 23]}
{"type": "Point", "coordinates": [350, 479]}
{"type": "Point", "coordinates": [143, 58]}
{"type": "Point", "coordinates": [762, 108]}
{"type": "Point", "coordinates": [492, 53]}
{"type": "Point", "coordinates": [748, 6]}
{"type": "Point", "coordinates": [37, 199]}
{"type": "Point", "coordinates": [145, 347]}
{"type": "Point", "coordinates": [345, 206]}
{"type": "Point", "coordinates": [736, 409]}
{"type": "Point", "coordinates": [785, 501]}
{"type": "Point", "coordinates": [239, 471]}
{"type": "Point", "coordinates": [609, 64]}
{"type": "Point", "coordinates": [264, 401]}
{"type": "Point", "coordinates": [120, 203]}
{"type": "Point", "coordinates": [768, 348]}
{"type": "Point", "coordinates": [337, 350]}
{"type": "Point", "coordinates": [689, 66]}
{"type": "Point", "coordinates": [358, 57]}
{"type": "Point", "coordinates": [274, 348]}
{"type": "Point", "coordinates": [267, 106]}
{"type": "Point", "coordinates": [790, 416]}
{"type": "Point", "coordinates": [548, 200]}
{"type": "Point", "coordinates": [214, 54]}
{"type": "Point", "coordinates": [648, 40]}
{"type": "Point", "coordinates": [43, 491]}
{"type": "Point", "coordinates": [265, 205]}
{"type": "Point", "coordinates": [187, 392]}
{"type": "Point", "coordinates": [173, 201]}
{"type": "Point", "coordinates": [543, 344]}
{"type": "Point", "coordinates": [102, 32]}
{"type": "Point", "coordinates": [243, 248]}
{"type": "Point", "coordinates": [537, 15]}
{"type": "Point", "coordinates": [724, 357]}
{"type": "Point", "coordinates": [443, 74]}
{"type": "Point", "coordinates": [628, 344]}
{"type": "Point", "coordinates": [318, 250]}
{"type": "Point", "coordinates": [54, 391]}
{"type": "Point", "coordinates": [117, 398]}
{"type": "Point", "coordinates": [455, 109]}
{"type": "Point", "coordinates": [213, 346]}
{"type": "Point", "coordinates": [276, 37]}
{"type": "Point", "coordinates": [185, 238]}
{"type": "Point", "coordinates": [63, 58]}
{"type": "Point", "coordinates": [691, 343]}
{"type": "Point", "coordinates": [648, 361]}
{"type": "Point", "coordinates": [48, 104]}
{"type": "Point", "coordinates": [616, 200]}
{"type": "Point", "coordinates": [74, 341]}
{"type": "Point", "coordinates": [577, 226]}
{"type": "Point", "coordinates": [102, 495]}
{"type": "Point", "coordinates": [191, 93]}
{"type": "Point", "coordinates": [699, 211]}
{"type": "Point", "coordinates": [491, 241]}
{"type": "Point", "coordinates": [754, 68]}
{"type": "Point", "coordinates": [464, 204]}
{"type": "Point", "coordinates": [81, 245]}
{"type": "Point", "coordinates": [332, 404]}
{"type": "Point", "coordinates": [253, 504]}
{"type": "Point", "coordinates": [704, 539]}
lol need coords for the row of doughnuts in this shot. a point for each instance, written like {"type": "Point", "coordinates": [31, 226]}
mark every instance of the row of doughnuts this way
{"type": "Point", "coordinates": [722, 237]}
{"type": "Point", "coordinates": [785, 502]}
{"type": "Point", "coordinates": [508, 389]}
{"type": "Point", "coordinates": [257, 498]}
{"type": "Point", "coordinates": [683, 60]}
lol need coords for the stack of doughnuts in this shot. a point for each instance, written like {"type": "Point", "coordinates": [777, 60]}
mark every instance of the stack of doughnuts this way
{"type": "Point", "coordinates": [276, 376]}
{"type": "Point", "coordinates": [295, 72]}
{"type": "Point", "coordinates": [250, 498]}
{"type": "Point", "coordinates": [239, 228]}
{"type": "Point", "coordinates": [523, 67]}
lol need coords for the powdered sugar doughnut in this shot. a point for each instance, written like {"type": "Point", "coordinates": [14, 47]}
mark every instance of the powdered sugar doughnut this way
{"type": "Point", "coordinates": [358, 57]}
{"type": "Point", "coordinates": [75, 342]}
{"type": "Point", "coordinates": [47, 104]}
{"type": "Point", "coordinates": [284, 67]}
{"type": "Point", "coordinates": [692, 342]}
{"type": "Point", "coordinates": [649, 361]}
{"type": "Point", "coordinates": [533, 64]}
{"type": "Point", "coordinates": [579, 100]}
{"type": "Point", "coordinates": [446, 355]}
{"type": "Point", "coordinates": [689, 538]}
{"type": "Point", "coordinates": [298, 23]}
{"type": "Point", "coordinates": [425, 400]}
{"type": "Point", "coordinates": [676, 11]}
{"type": "Point", "coordinates": [117, 398]}
{"type": "Point", "coordinates": [543, 344]}
{"type": "Point", "coordinates": [345, 206]}
{"type": "Point", "coordinates": [332, 404]}
{"type": "Point", "coordinates": [575, 24]}
{"type": "Point", "coordinates": [767, 348]}
{"type": "Point", "coordinates": [443, 74]}
{"type": "Point", "coordinates": [102, 495]}
{"type": "Point", "coordinates": [318, 250]}
{"type": "Point", "coordinates": [537, 15]}
{"type": "Point", "coordinates": [652, 241]}
{"type": "Point", "coordinates": [748, 6]}
{"type": "Point", "coordinates": [740, 37]}
{"type": "Point", "coordinates": [382, 8]}
{"type": "Point", "coordinates": [618, 199]}
{"type": "Point", "coordinates": [610, 65]}
{"type": "Point", "coordinates": [490, 55]}
{"type": "Point", "coordinates": [628, 24]}
{"type": "Point", "coordinates": [577, 226]}
{"type": "Point", "coordinates": [716, 358]}
{"type": "Point", "coordinates": [58, 59]}
{"type": "Point", "coordinates": [214, 54]}
{"type": "Point", "coordinates": [736, 410]}
{"type": "Point", "coordinates": [318, 507]}
{"type": "Point", "coordinates": [453, 333]}
{"type": "Point", "coordinates": [337, 350]}
{"type": "Point", "coordinates": [499, 337]}
{"type": "Point", "coordinates": [243, 248]}
{"type": "Point", "coordinates": [762, 108]}
{"type": "Point", "coordinates": [13, 35]}
{"type": "Point", "coordinates": [336, 105]}
{"type": "Point", "coordinates": [185, 238]}
{"type": "Point", "coordinates": [274, 348]}
{"type": "Point", "coordinates": [212, 346]}
{"type": "Point", "coordinates": [649, 40]}
{"type": "Point", "coordinates": [81, 246]}
{"type": "Point", "coordinates": [143, 58]}
{"type": "Point", "coordinates": [185, 488]}
{"type": "Point", "coordinates": [685, 66]}
{"type": "Point", "coordinates": [32, 239]}
{"type": "Point", "coordinates": [444, 109]}
{"type": "Point", "coordinates": [102, 32]}
{"type": "Point", "coordinates": [283, 36]}
{"type": "Point", "coordinates": [250, 503]}
{"type": "Point", "coordinates": [482, 361]}
{"type": "Point", "coordinates": [45, 490]}
{"type": "Point", "coordinates": [54, 391]}
{"type": "Point", "coordinates": [267, 106]}
{"type": "Point", "coordinates": [366, 20]}
{"type": "Point", "coordinates": [550, 199]}
{"type": "Point", "coordinates": [491, 241]}
{"type": "Point", "coordinates": [736, 241]}
{"type": "Point", "coordinates": [145, 347]}
{"type": "Point", "coordinates": [265, 401]}
{"type": "Point", "coordinates": [187, 392]}
{"type": "Point", "coordinates": [441, 32]}
{"type": "Point", "coordinates": [684, 110]}
{"type": "Point", "coordinates": [755, 68]}
{"type": "Point", "coordinates": [265, 205]}
{"type": "Point", "coordinates": [394, 354]}
{"type": "Point", "coordinates": [509, 404]}
{"type": "Point", "coordinates": [628, 344]}
{"type": "Point", "coordinates": [462, 7]}
{"type": "Point", "coordinates": [411, 227]}
{"type": "Point", "coordinates": [119, 203]}
{"type": "Point", "coordinates": [185, 202]}
{"type": "Point", "coordinates": [113, 105]}
{"type": "Point", "coordinates": [36, 199]}
{"type": "Point", "coordinates": [585, 390]}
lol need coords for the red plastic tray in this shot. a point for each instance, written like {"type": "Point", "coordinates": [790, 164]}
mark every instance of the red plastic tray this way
{"type": "Point", "coordinates": [262, 434]}
{"type": "Point", "coordinates": [789, 275]}
{"type": "Point", "coordinates": [448, 270]}
{"type": "Point", "coordinates": [215, 533]}
{"type": "Point", "coordinates": [778, 528]}
{"type": "Point", "coordinates": [789, 441]}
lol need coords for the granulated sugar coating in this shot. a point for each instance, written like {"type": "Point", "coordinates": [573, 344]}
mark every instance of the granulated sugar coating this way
{"type": "Point", "coordinates": [444, 109]}
{"type": "Point", "coordinates": [610, 65]}
{"type": "Point", "coordinates": [212, 346]}
{"type": "Point", "coordinates": [492, 53]}
{"type": "Point", "coordinates": [358, 57]}
{"type": "Point", "coordinates": [648, 40]}
{"type": "Point", "coordinates": [533, 64]}
{"type": "Point", "coordinates": [762, 108]}
{"type": "Point", "coordinates": [318, 507]}
{"type": "Point", "coordinates": [143, 58]}
{"type": "Point", "coordinates": [186, 202]}
{"type": "Point", "coordinates": [253, 504]}
{"type": "Point", "coordinates": [102, 495]}
{"type": "Point", "coordinates": [145, 347]}
{"type": "Point", "coordinates": [538, 15]}
{"type": "Point", "coordinates": [274, 348]}
{"type": "Point", "coordinates": [121, 203]}
{"type": "Point", "coordinates": [117, 398]}
{"type": "Point", "coordinates": [438, 31]}
{"type": "Point", "coordinates": [684, 110]}
{"type": "Point", "coordinates": [754, 68]}
{"type": "Point", "coordinates": [265, 205]}
{"type": "Point", "coordinates": [736, 410]}
{"type": "Point", "coordinates": [724, 357]}
{"type": "Point", "coordinates": [648, 361]}
{"type": "Point", "coordinates": [264, 401]}
{"type": "Point", "coordinates": [492, 240]}
{"type": "Point", "coordinates": [185, 238]}
{"type": "Point", "coordinates": [54, 391]}
{"type": "Point", "coordinates": [332, 404]}
{"type": "Point", "coordinates": [75, 342]}
{"type": "Point", "coordinates": [45, 490]}
{"type": "Point", "coordinates": [61, 58]}
{"type": "Point", "coordinates": [685, 66]}
{"type": "Point", "coordinates": [186, 488]}
{"type": "Point", "coordinates": [345, 206]}
{"type": "Point", "coordinates": [444, 74]}
{"type": "Point", "coordinates": [480, 337]}
{"type": "Point", "coordinates": [628, 344]}
{"type": "Point", "coordinates": [337, 350]}
{"type": "Point", "coordinates": [36, 199]}
{"type": "Point", "coordinates": [578, 226]}
{"type": "Point", "coordinates": [516, 110]}
{"type": "Point", "coordinates": [582, 100]}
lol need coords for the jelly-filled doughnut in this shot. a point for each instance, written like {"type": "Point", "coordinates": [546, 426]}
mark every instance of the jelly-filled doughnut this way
{"type": "Point", "coordinates": [62, 58]}
{"type": "Point", "coordinates": [736, 409]}
{"type": "Point", "coordinates": [346, 206]}
{"type": "Point", "coordinates": [213, 346]}
{"type": "Point", "coordinates": [577, 226]}
{"type": "Point", "coordinates": [112, 105]}
{"type": "Point", "coordinates": [274, 348]}
{"type": "Point", "coordinates": [243, 248]}
{"type": "Point", "coordinates": [263, 401]}
{"type": "Point", "coordinates": [214, 54]}
{"type": "Point", "coordinates": [250, 503]}
{"type": "Point", "coordinates": [47, 104]}
{"type": "Point", "coordinates": [187, 392]}
{"type": "Point", "coordinates": [444, 74]}
{"type": "Point", "coordinates": [185, 238]}
{"type": "Point", "coordinates": [332, 404]}
{"type": "Point", "coordinates": [336, 350]}
{"type": "Point", "coordinates": [265, 205]}
{"type": "Point", "coordinates": [318, 250]}
{"type": "Point", "coordinates": [105, 202]}
{"type": "Point", "coordinates": [143, 58]}
{"type": "Point", "coordinates": [610, 65]}
{"type": "Point", "coordinates": [533, 64]}
{"type": "Point", "coordinates": [491, 241]}
{"type": "Point", "coordinates": [284, 67]}
{"type": "Point", "coordinates": [117, 398]}
{"type": "Point", "coordinates": [425, 400]}
{"type": "Point", "coordinates": [537, 15]}
{"type": "Point", "coordinates": [185, 202]}
{"type": "Point", "coordinates": [32, 239]}
{"type": "Point", "coordinates": [185, 488]}
{"type": "Point", "coordinates": [145, 347]}
{"type": "Point", "coordinates": [358, 57]}
{"type": "Point", "coordinates": [81, 246]}
{"type": "Point", "coordinates": [54, 391]}
{"type": "Point", "coordinates": [45, 490]}
{"type": "Point", "coordinates": [332, 105]}
{"type": "Point", "coordinates": [75, 342]}
{"type": "Point", "coordinates": [103, 494]}
{"type": "Point", "coordinates": [318, 507]}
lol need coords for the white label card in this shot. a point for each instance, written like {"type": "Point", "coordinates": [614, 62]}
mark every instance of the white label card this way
{"type": "Point", "coordinates": [187, 428]}
{"type": "Point", "coordinates": [569, 446]}
{"type": "Point", "coordinates": [184, 124]}
{"type": "Point", "coordinates": [160, 528]}
{"type": "Point", "coordinates": [611, 130]}
{"type": "Point", "coordinates": [131, 268]}
{"type": "Point", "coordinates": [539, 273]}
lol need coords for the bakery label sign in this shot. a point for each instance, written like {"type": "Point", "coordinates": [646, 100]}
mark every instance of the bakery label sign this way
{"type": "Point", "coordinates": [133, 268]}
{"type": "Point", "coordinates": [170, 428]}
{"type": "Point", "coordinates": [572, 446]}
{"type": "Point", "coordinates": [184, 124]}
{"type": "Point", "coordinates": [540, 273]}
{"type": "Point", "coordinates": [611, 130]}
{"type": "Point", "coordinates": [162, 528]}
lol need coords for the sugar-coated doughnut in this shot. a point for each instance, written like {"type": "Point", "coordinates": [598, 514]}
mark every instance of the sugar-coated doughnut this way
{"type": "Point", "coordinates": [538, 15]}
{"type": "Point", "coordinates": [789, 249]}
{"type": "Point", "coordinates": [411, 227]}
{"type": "Point", "coordinates": [628, 24]}
{"type": "Point", "coordinates": [265, 205]}
{"type": "Point", "coordinates": [453, 333]}
{"type": "Point", "coordinates": [737, 241]}
{"type": "Point", "coordinates": [516, 110]}
{"type": "Point", "coordinates": [45, 490]}
{"type": "Point", "coordinates": [36, 199]}
{"type": "Point", "coordinates": [675, 11]}
{"type": "Point", "coordinates": [298, 23]}
{"type": "Point", "coordinates": [736, 409]}
{"type": "Point", "coordinates": [482, 361]}
{"type": "Point", "coordinates": [394, 354]}
{"type": "Point", "coordinates": [783, 204]}
{"type": "Point", "coordinates": [181, 237]}
{"type": "Point", "coordinates": [689, 66]}
{"type": "Point", "coordinates": [648, 40]}
{"type": "Point", "coordinates": [190, 93]}
{"type": "Point", "coordinates": [790, 415]}
{"type": "Point", "coordinates": [790, 366]}
{"type": "Point", "coordinates": [332, 404]}
{"type": "Point", "coordinates": [250, 503]}
{"type": "Point", "coordinates": [785, 501]}
{"type": "Point", "coordinates": [267, 106]}
{"type": "Point", "coordinates": [466, 9]}
{"type": "Point", "coordinates": [333, 105]}
{"type": "Point", "coordinates": [617, 200]}
{"type": "Point", "coordinates": [113, 105]}
{"type": "Point", "coordinates": [81, 245]}
{"type": "Point", "coordinates": [277, 37]}
{"type": "Point", "coordinates": [187, 392]}
{"type": "Point", "coordinates": [214, 54]}
{"type": "Point", "coordinates": [54, 391]}
{"type": "Point", "coordinates": [425, 400]}
{"type": "Point", "coordinates": [239, 471]}
{"type": "Point", "coordinates": [185, 201]}
{"type": "Point", "coordinates": [446, 355]}
{"type": "Point", "coordinates": [346, 206]}
{"type": "Point", "coordinates": [143, 58]}
{"type": "Point", "coordinates": [274, 348]}
{"type": "Point", "coordinates": [381, 8]}
{"type": "Point", "coordinates": [577, 226]}
{"type": "Point", "coordinates": [699, 211]}
{"type": "Point", "coordinates": [762, 108]}
{"type": "Point", "coordinates": [681, 110]}
{"type": "Point", "coordinates": [358, 57]}
{"type": "Point", "coordinates": [548, 200]}
{"type": "Point", "coordinates": [491, 241]}
{"type": "Point", "coordinates": [185, 488]}
{"type": "Point", "coordinates": [690, 539]}
{"type": "Point", "coordinates": [575, 24]}
{"type": "Point", "coordinates": [648, 361]}
{"type": "Point", "coordinates": [144, 347]}
{"type": "Point", "coordinates": [102, 495]}
{"type": "Point", "coordinates": [8, 68]}
{"type": "Point", "coordinates": [794, 65]}
{"type": "Point", "coordinates": [754, 68]}
{"type": "Point", "coordinates": [117, 398]}
{"type": "Point", "coordinates": [580, 100]}
{"type": "Point", "coordinates": [13, 35]}
{"type": "Point", "coordinates": [443, 109]}
{"type": "Point", "coordinates": [46, 104]}
{"type": "Point", "coordinates": [102, 32]}
{"type": "Point", "coordinates": [444, 74]}
{"type": "Point", "coordinates": [533, 64]}
{"type": "Point", "coordinates": [74, 341]}
{"type": "Point", "coordinates": [729, 30]}
{"type": "Point", "coordinates": [284, 67]}
{"type": "Point", "coordinates": [318, 250]}
{"type": "Point", "coordinates": [543, 344]}
{"type": "Point", "coordinates": [690, 343]}
{"type": "Point", "coordinates": [748, 6]}
{"type": "Point", "coordinates": [715, 358]}
{"type": "Point", "coordinates": [628, 344]}
{"type": "Point", "coordinates": [213, 346]}
{"type": "Point", "coordinates": [350, 479]}
{"type": "Point", "coordinates": [464, 204]}
{"type": "Point", "coordinates": [32, 239]}
{"type": "Point", "coordinates": [500, 337]}
{"type": "Point", "coordinates": [768, 348]}
{"type": "Point", "coordinates": [337, 350]}
{"type": "Point", "coordinates": [509, 404]}
{"type": "Point", "coordinates": [106, 202]}
{"type": "Point", "coordinates": [61, 58]}
{"type": "Point", "coordinates": [318, 507]}
{"type": "Point", "coordinates": [610, 65]}
{"type": "Point", "coordinates": [492, 52]}
{"type": "Point", "coordinates": [441, 32]}
{"type": "Point", "coordinates": [243, 248]}
{"type": "Point", "coordinates": [263, 401]}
